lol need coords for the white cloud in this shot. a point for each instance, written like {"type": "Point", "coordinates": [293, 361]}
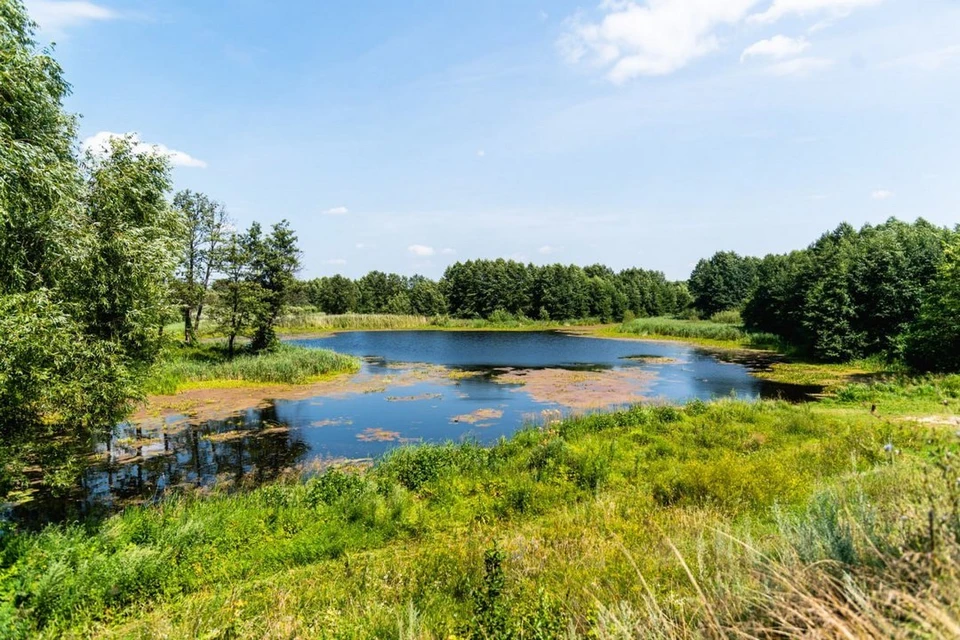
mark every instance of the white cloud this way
{"type": "Point", "coordinates": [420, 250]}
{"type": "Point", "coordinates": [336, 211]}
{"type": "Point", "coordinates": [931, 60]}
{"type": "Point", "coordinates": [360, 245]}
{"type": "Point", "coordinates": [59, 16]}
{"type": "Point", "coordinates": [800, 66]}
{"type": "Point", "coordinates": [448, 251]}
{"type": "Point", "coordinates": [776, 47]}
{"type": "Point", "coordinates": [547, 250]}
{"type": "Point", "coordinates": [481, 153]}
{"type": "Point", "coordinates": [99, 144]}
{"type": "Point", "coordinates": [881, 194]}
{"type": "Point", "coordinates": [337, 261]}
{"type": "Point", "coordinates": [656, 38]}
{"type": "Point", "coordinates": [782, 8]}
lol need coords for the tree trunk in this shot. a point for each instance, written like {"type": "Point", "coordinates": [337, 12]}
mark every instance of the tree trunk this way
{"type": "Point", "coordinates": [230, 345]}
{"type": "Point", "coordinates": [187, 326]}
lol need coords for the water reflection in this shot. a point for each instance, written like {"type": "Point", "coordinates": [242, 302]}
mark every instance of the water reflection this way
{"type": "Point", "coordinates": [460, 393]}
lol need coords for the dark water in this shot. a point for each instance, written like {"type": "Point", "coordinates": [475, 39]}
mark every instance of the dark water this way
{"type": "Point", "coordinates": [394, 403]}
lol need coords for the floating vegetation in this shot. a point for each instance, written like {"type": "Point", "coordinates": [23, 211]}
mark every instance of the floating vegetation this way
{"type": "Point", "coordinates": [580, 389]}
{"type": "Point", "coordinates": [376, 434]}
{"type": "Point", "coordinates": [480, 415]}
{"type": "Point", "coordinates": [646, 359]}
{"type": "Point", "coordinates": [422, 396]}
{"type": "Point", "coordinates": [332, 422]}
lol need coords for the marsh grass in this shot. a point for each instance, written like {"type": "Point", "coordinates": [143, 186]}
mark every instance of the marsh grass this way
{"type": "Point", "coordinates": [208, 365]}
{"type": "Point", "coordinates": [714, 331]}
{"type": "Point", "coordinates": [320, 322]}
{"type": "Point", "coordinates": [649, 522]}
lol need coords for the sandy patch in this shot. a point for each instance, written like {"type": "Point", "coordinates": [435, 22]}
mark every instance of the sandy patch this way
{"type": "Point", "coordinates": [580, 389]}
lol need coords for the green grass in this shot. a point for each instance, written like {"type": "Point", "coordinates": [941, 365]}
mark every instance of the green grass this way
{"type": "Point", "coordinates": [320, 322]}
{"type": "Point", "coordinates": [208, 365]}
{"type": "Point", "coordinates": [711, 333]}
{"type": "Point", "coordinates": [649, 522]}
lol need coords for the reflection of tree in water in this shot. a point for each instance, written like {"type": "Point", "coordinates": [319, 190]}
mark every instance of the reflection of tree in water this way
{"type": "Point", "coordinates": [137, 464]}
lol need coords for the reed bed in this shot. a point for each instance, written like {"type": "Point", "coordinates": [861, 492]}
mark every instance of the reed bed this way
{"type": "Point", "coordinates": [287, 364]}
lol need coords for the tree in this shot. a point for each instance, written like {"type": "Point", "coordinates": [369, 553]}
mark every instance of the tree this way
{"type": "Point", "coordinates": [722, 283]}
{"type": "Point", "coordinates": [237, 296]}
{"type": "Point", "coordinates": [204, 225]}
{"type": "Point", "coordinates": [426, 299]}
{"type": "Point", "coordinates": [275, 260]}
{"type": "Point", "coordinates": [933, 343]}
{"type": "Point", "coordinates": [123, 286]}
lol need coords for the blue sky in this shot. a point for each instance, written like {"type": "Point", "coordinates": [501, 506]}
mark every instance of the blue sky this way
{"type": "Point", "coordinates": [404, 136]}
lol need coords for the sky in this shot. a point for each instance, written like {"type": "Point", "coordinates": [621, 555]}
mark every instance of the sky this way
{"type": "Point", "coordinates": [404, 136]}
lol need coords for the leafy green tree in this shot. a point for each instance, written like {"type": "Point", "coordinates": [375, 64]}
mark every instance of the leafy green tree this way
{"type": "Point", "coordinates": [338, 295]}
{"type": "Point", "coordinates": [722, 283]}
{"type": "Point", "coordinates": [275, 260]}
{"type": "Point", "coordinates": [426, 299]}
{"type": "Point", "coordinates": [204, 229]}
{"type": "Point", "coordinates": [933, 342]}
{"type": "Point", "coordinates": [123, 285]}
{"type": "Point", "coordinates": [237, 296]}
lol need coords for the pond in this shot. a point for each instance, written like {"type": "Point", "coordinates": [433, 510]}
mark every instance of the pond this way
{"type": "Point", "coordinates": [413, 387]}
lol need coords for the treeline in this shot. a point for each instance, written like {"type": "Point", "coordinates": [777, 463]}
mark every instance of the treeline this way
{"type": "Point", "coordinates": [497, 288]}
{"type": "Point", "coordinates": [890, 290]}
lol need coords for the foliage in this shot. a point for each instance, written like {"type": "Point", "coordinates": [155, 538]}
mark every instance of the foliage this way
{"type": "Point", "coordinates": [722, 283]}
{"type": "Point", "coordinates": [933, 342]}
{"type": "Point", "coordinates": [274, 260]}
{"type": "Point", "coordinates": [204, 232]}
{"type": "Point", "coordinates": [852, 293]}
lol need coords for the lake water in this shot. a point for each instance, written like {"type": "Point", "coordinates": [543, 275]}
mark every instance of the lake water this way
{"type": "Point", "coordinates": [414, 386]}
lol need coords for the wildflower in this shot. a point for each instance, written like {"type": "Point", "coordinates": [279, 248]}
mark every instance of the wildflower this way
{"type": "Point", "coordinates": [888, 447]}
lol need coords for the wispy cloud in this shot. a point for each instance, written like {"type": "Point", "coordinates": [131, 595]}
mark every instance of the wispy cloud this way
{"type": "Point", "coordinates": [882, 194]}
{"type": "Point", "coordinates": [448, 251]}
{"type": "Point", "coordinates": [335, 261]}
{"type": "Point", "coordinates": [336, 211]}
{"type": "Point", "coordinates": [776, 47]}
{"type": "Point", "coordinates": [58, 17]}
{"type": "Point", "coordinates": [547, 250]}
{"type": "Point", "coordinates": [99, 144]}
{"type": "Point", "coordinates": [803, 8]}
{"type": "Point", "coordinates": [421, 251]}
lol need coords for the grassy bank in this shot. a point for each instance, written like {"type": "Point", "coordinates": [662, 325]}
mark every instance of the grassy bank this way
{"type": "Point", "coordinates": [320, 322]}
{"type": "Point", "coordinates": [714, 334]}
{"type": "Point", "coordinates": [183, 367]}
{"type": "Point", "coordinates": [707, 520]}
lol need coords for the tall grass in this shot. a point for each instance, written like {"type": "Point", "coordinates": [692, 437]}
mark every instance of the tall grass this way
{"type": "Point", "coordinates": [305, 323]}
{"type": "Point", "coordinates": [288, 364]}
{"type": "Point", "coordinates": [648, 522]}
{"type": "Point", "coordinates": [714, 330]}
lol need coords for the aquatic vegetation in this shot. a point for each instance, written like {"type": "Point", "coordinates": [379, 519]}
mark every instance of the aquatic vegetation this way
{"type": "Point", "coordinates": [480, 415]}
{"type": "Point", "coordinates": [288, 364]}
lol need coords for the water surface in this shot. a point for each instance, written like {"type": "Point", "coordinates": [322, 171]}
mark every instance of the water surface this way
{"type": "Point", "coordinates": [414, 386]}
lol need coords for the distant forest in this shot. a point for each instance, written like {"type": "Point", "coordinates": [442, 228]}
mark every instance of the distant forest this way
{"type": "Point", "coordinates": [890, 290]}
{"type": "Point", "coordinates": [491, 289]}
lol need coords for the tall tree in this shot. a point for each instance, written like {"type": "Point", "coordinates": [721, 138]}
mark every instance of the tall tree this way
{"type": "Point", "coordinates": [204, 227]}
{"type": "Point", "coordinates": [236, 295]}
{"type": "Point", "coordinates": [275, 260]}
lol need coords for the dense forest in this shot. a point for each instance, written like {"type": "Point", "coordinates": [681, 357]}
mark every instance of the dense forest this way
{"type": "Point", "coordinates": [890, 290]}
{"type": "Point", "coordinates": [494, 288]}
